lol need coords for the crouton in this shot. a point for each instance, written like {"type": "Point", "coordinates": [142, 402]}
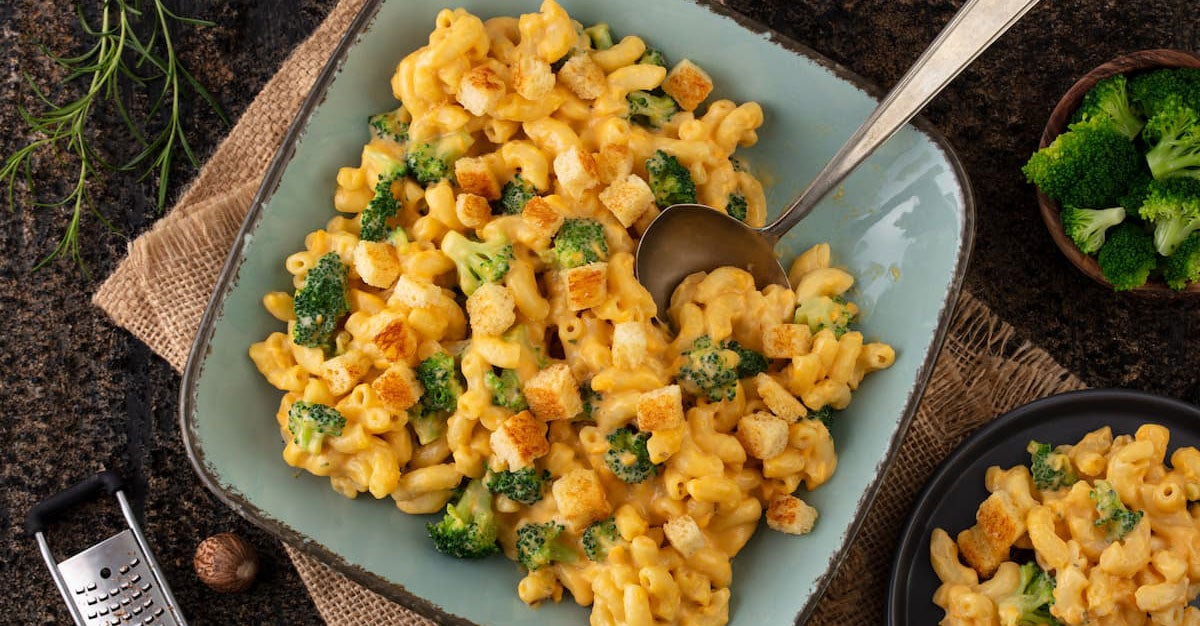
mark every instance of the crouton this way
{"type": "Point", "coordinates": [789, 514]}
{"type": "Point", "coordinates": [576, 171]}
{"type": "Point", "coordinates": [784, 341]}
{"type": "Point", "coordinates": [614, 162]}
{"type": "Point", "coordinates": [762, 435]}
{"type": "Point", "coordinates": [414, 294]}
{"type": "Point", "coordinates": [583, 77]}
{"type": "Point", "coordinates": [553, 394]}
{"type": "Point", "coordinates": [492, 309]}
{"type": "Point", "coordinates": [519, 440]}
{"type": "Point", "coordinates": [376, 263]}
{"type": "Point", "coordinates": [532, 77]}
{"type": "Point", "coordinates": [542, 216]}
{"type": "Point", "coordinates": [783, 404]}
{"type": "Point", "coordinates": [472, 210]}
{"type": "Point", "coordinates": [580, 498]}
{"type": "Point", "coordinates": [628, 344]}
{"type": "Point", "coordinates": [688, 85]}
{"type": "Point", "coordinates": [586, 286]}
{"type": "Point", "coordinates": [342, 372]}
{"type": "Point", "coordinates": [475, 176]}
{"type": "Point", "coordinates": [480, 90]}
{"type": "Point", "coordinates": [685, 535]}
{"type": "Point", "coordinates": [398, 387]}
{"type": "Point", "coordinates": [397, 341]}
{"type": "Point", "coordinates": [998, 526]}
{"type": "Point", "coordinates": [660, 409]}
{"type": "Point", "coordinates": [628, 199]}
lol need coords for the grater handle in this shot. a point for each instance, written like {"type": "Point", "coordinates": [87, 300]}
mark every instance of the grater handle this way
{"type": "Point", "coordinates": [47, 510]}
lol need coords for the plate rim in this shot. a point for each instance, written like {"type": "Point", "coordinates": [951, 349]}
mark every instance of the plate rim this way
{"type": "Point", "coordinates": [976, 439]}
{"type": "Point", "coordinates": [397, 592]}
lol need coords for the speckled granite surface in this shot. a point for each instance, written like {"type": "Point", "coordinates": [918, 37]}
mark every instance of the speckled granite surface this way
{"type": "Point", "coordinates": [80, 395]}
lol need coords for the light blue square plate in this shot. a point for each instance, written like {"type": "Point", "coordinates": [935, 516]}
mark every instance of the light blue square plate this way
{"type": "Point", "coordinates": [902, 224]}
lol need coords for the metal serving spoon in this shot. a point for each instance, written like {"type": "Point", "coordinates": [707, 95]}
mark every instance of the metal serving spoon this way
{"type": "Point", "coordinates": [689, 238]}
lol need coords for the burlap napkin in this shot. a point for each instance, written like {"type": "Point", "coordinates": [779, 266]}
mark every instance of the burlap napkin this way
{"type": "Point", "coordinates": [160, 290]}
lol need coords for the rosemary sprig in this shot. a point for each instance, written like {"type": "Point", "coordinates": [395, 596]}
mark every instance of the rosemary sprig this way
{"type": "Point", "coordinates": [120, 57]}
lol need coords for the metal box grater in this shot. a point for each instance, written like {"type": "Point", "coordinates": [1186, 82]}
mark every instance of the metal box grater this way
{"type": "Point", "coordinates": [115, 582]}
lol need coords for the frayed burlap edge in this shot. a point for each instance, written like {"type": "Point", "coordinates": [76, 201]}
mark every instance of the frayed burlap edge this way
{"type": "Point", "coordinates": [159, 292]}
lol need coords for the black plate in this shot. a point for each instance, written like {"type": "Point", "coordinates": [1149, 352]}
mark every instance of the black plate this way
{"type": "Point", "coordinates": [952, 496]}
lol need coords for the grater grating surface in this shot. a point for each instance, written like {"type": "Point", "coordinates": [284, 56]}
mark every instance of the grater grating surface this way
{"type": "Point", "coordinates": [112, 585]}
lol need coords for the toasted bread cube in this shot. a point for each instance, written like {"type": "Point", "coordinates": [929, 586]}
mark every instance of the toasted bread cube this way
{"type": "Point", "coordinates": [553, 394]}
{"type": "Point", "coordinates": [789, 514]}
{"type": "Point", "coordinates": [342, 372]}
{"type": "Point", "coordinates": [541, 215]}
{"type": "Point", "coordinates": [784, 341]}
{"type": "Point", "coordinates": [783, 404]}
{"type": "Point", "coordinates": [491, 309]}
{"type": "Point", "coordinates": [583, 76]}
{"type": "Point", "coordinates": [472, 210]}
{"type": "Point", "coordinates": [688, 85]}
{"type": "Point", "coordinates": [532, 77]}
{"type": "Point", "coordinates": [519, 440]}
{"type": "Point", "coordinates": [398, 387]}
{"type": "Point", "coordinates": [480, 90]}
{"type": "Point", "coordinates": [762, 435]}
{"type": "Point", "coordinates": [576, 171]}
{"type": "Point", "coordinates": [628, 344]}
{"type": "Point", "coordinates": [685, 535]}
{"type": "Point", "coordinates": [376, 263]}
{"type": "Point", "coordinates": [414, 294]}
{"type": "Point", "coordinates": [614, 162]}
{"type": "Point", "coordinates": [587, 285]}
{"type": "Point", "coordinates": [998, 526]}
{"type": "Point", "coordinates": [475, 176]}
{"type": "Point", "coordinates": [661, 409]}
{"type": "Point", "coordinates": [397, 341]}
{"type": "Point", "coordinates": [628, 199]}
{"type": "Point", "coordinates": [580, 498]}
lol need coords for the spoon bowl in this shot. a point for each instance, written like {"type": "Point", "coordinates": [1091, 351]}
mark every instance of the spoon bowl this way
{"type": "Point", "coordinates": [690, 238]}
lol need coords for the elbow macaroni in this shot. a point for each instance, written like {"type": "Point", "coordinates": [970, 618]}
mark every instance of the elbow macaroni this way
{"type": "Point", "coordinates": [491, 84]}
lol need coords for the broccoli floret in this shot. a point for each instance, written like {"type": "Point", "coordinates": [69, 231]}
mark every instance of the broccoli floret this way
{"type": "Point", "coordinates": [1128, 257]}
{"type": "Point", "coordinates": [379, 210]}
{"type": "Point", "coordinates": [1086, 227]}
{"type": "Point", "coordinates": [390, 125]}
{"type": "Point", "coordinates": [1173, 206]}
{"type": "Point", "coordinates": [310, 422]}
{"type": "Point", "coordinates": [433, 162]}
{"type": "Point", "coordinates": [750, 363]}
{"type": "Point", "coordinates": [439, 377]}
{"type": "Point", "coordinates": [579, 242]}
{"type": "Point", "coordinates": [1109, 98]}
{"type": "Point", "coordinates": [506, 390]}
{"type": "Point", "coordinates": [650, 110]}
{"type": "Point", "coordinates": [1051, 469]}
{"type": "Point", "coordinates": [825, 414]}
{"type": "Point", "coordinates": [628, 457]}
{"type": "Point", "coordinates": [321, 303]}
{"type": "Point", "coordinates": [539, 545]}
{"type": "Point", "coordinates": [736, 206]}
{"type": "Point", "coordinates": [1091, 165]}
{"type": "Point", "coordinates": [1115, 518]}
{"type": "Point", "coordinates": [821, 312]}
{"type": "Point", "coordinates": [601, 36]}
{"type": "Point", "coordinates": [478, 262]}
{"type": "Point", "coordinates": [670, 180]}
{"type": "Point", "coordinates": [515, 194]}
{"type": "Point", "coordinates": [523, 485]}
{"type": "Point", "coordinates": [1154, 91]}
{"type": "Point", "coordinates": [1183, 267]}
{"type": "Point", "coordinates": [710, 370]}
{"type": "Point", "coordinates": [653, 56]}
{"type": "Point", "coordinates": [1029, 604]}
{"type": "Point", "coordinates": [599, 538]}
{"type": "Point", "coordinates": [591, 398]}
{"type": "Point", "coordinates": [468, 531]}
{"type": "Point", "coordinates": [429, 426]}
{"type": "Point", "coordinates": [1173, 135]}
{"type": "Point", "coordinates": [1136, 195]}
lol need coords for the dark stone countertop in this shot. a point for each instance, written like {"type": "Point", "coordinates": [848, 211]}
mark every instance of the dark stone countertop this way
{"type": "Point", "coordinates": [81, 395]}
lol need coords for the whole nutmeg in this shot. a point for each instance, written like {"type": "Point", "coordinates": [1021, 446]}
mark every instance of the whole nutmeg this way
{"type": "Point", "coordinates": [226, 562]}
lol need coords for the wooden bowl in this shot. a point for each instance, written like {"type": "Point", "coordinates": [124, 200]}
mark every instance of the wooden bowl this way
{"type": "Point", "coordinates": [1060, 118]}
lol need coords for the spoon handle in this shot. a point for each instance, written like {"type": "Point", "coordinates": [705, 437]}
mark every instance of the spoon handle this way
{"type": "Point", "coordinates": [969, 33]}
